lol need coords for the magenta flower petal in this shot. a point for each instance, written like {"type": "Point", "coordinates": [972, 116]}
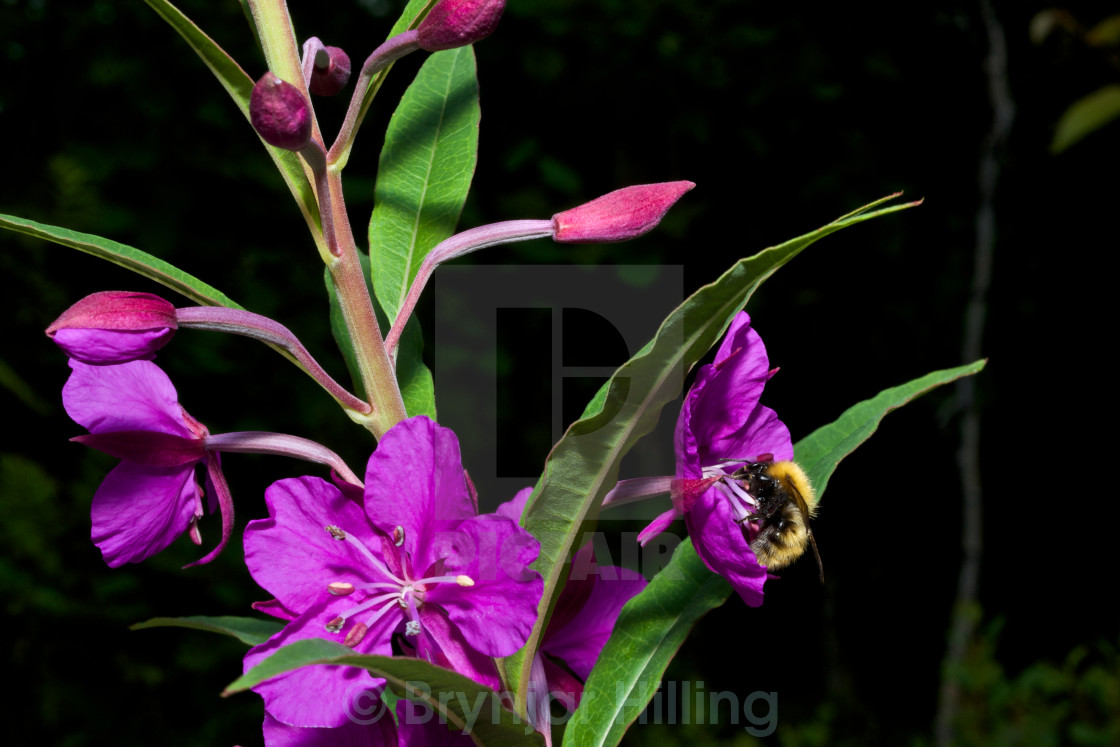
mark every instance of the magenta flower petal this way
{"type": "Point", "coordinates": [370, 727]}
{"type": "Point", "coordinates": [420, 726]}
{"type": "Point", "coordinates": [126, 397]}
{"type": "Point", "coordinates": [720, 543]}
{"type": "Point", "coordinates": [138, 511]}
{"type": "Point", "coordinates": [415, 481]}
{"type": "Point", "coordinates": [497, 612]}
{"type": "Point", "coordinates": [292, 555]}
{"type": "Point", "coordinates": [442, 643]}
{"type": "Point", "coordinates": [725, 417]}
{"type": "Point", "coordinates": [317, 696]}
{"type": "Point", "coordinates": [109, 346]}
{"type": "Point", "coordinates": [274, 608]}
{"type": "Point", "coordinates": [658, 525]}
{"type": "Point", "coordinates": [579, 642]}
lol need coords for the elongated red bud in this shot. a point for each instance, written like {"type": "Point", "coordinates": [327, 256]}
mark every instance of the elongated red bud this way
{"type": "Point", "coordinates": [280, 113]}
{"type": "Point", "coordinates": [457, 23]}
{"type": "Point", "coordinates": [618, 216]}
{"type": "Point", "coordinates": [330, 77]}
{"type": "Point", "coordinates": [113, 327]}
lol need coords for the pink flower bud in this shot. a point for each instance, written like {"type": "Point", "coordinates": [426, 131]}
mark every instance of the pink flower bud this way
{"type": "Point", "coordinates": [457, 23]}
{"type": "Point", "coordinates": [280, 114]}
{"type": "Point", "coordinates": [618, 216]}
{"type": "Point", "coordinates": [332, 76]}
{"type": "Point", "coordinates": [114, 327]}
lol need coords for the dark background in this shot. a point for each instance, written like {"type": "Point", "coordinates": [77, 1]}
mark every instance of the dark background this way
{"type": "Point", "coordinates": [785, 119]}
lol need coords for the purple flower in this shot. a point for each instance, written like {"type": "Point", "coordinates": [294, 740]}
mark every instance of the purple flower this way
{"type": "Point", "coordinates": [114, 327]}
{"type": "Point", "coordinates": [412, 558]}
{"type": "Point", "coordinates": [721, 425]}
{"type": "Point", "coordinates": [132, 412]}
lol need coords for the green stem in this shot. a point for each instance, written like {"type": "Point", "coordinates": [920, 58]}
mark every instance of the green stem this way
{"type": "Point", "coordinates": [374, 366]}
{"type": "Point", "coordinates": [375, 370]}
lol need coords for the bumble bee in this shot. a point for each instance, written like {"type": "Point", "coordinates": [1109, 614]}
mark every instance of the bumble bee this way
{"type": "Point", "coordinates": [785, 503]}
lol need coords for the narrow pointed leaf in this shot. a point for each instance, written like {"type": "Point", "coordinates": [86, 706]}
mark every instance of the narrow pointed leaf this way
{"type": "Point", "coordinates": [250, 630]}
{"type": "Point", "coordinates": [461, 702]}
{"type": "Point", "coordinates": [584, 464]}
{"type": "Point", "coordinates": [820, 451]}
{"type": "Point", "coordinates": [654, 624]}
{"type": "Point", "coordinates": [239, 86]}
{"type": "Point", "coordinates": [139, 262]}
{"type": "Point", "coordinates": [413, 377]}
{"type": "Point", "coordinates": [425, 171]}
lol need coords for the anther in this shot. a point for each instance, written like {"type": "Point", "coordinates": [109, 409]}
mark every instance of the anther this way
{"type": "Point", "coordinates": [337, 533]}
{"type": "Point", "coordinates": [356, 634]}
{"type": "Point", "coordinates": [464, 580]}
{"type": "Point", "coordinates": [412, 627]}
{"type": "Point", "coordinates": [340, 588]}
{"type": "Point", "coordinates": [398, 535]}
{"type": "Point", "coordinates": [336, 624]}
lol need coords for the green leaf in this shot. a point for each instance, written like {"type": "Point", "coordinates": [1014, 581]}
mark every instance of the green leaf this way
{"type": "Point", "coordinates": [654, 624]}
{"type": "Point", "coordinates": [249, 630]}
{"type": "Point", "coordinates": [1086, 115]}
{"type": "Point", "coordinates": [139, 262]}
{"type": "Point", "coordinates": [425, 171]}
{"type": "Point", "coordinates": [820, 451]}
{"type": "Point", "coordinates": [413, 377]}
{"type": "Point", "coordinates": [239, 86]}
{"type": "Point", "coordinates": [649, 631]}
{"type": "Point", "coordinates": [583, 465]}
{"type": "Point", "coordinates": [462, 702]}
